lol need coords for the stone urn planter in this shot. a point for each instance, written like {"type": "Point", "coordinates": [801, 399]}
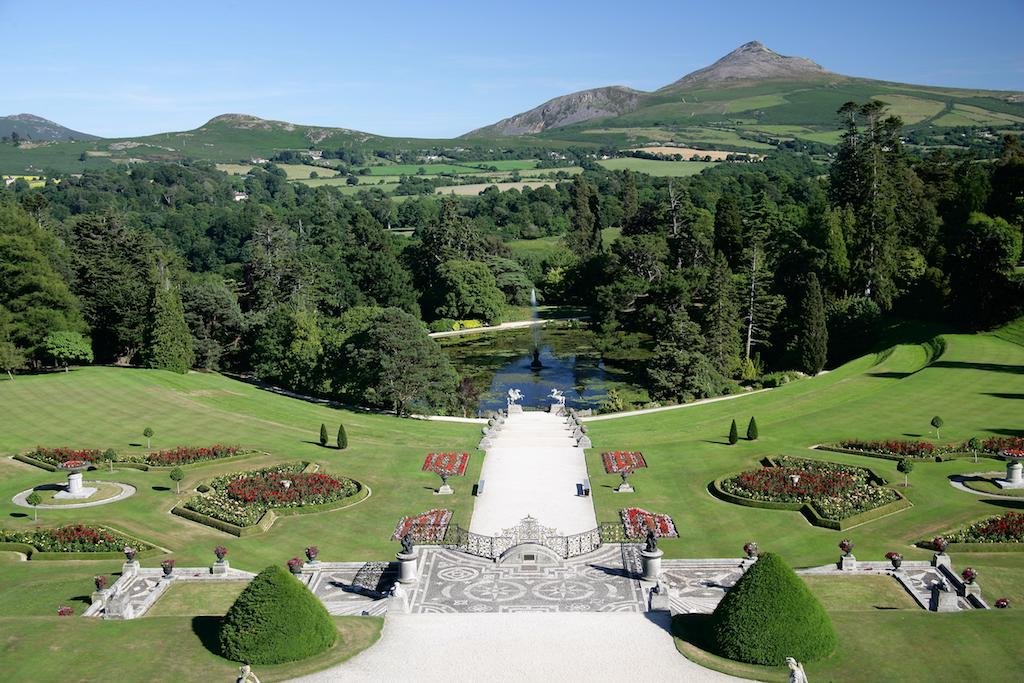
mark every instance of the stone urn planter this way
{"type": "Point", "coordinates": [295, 565]}
{"type": "Point", "coordinates": [168, 567]}
{"type": "Point", "coordinates": [750, 550]}
{"type": "Point", "coordinates": [896, 559]}
{"type": "Point", "coordinates": [847, 561]}
{"type": "Point", "coordinates": [312, 552]}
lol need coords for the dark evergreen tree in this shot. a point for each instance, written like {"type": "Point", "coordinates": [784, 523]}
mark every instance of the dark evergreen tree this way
{"type": "Point", "coordinates": [729, 230]}
{"type": "Point", "coordinates": [169, 342]}
{"type": "Point", "coordinates": [342, 437]}
{"type": "Point", "coordinates": [323, 434]}
{"type": "Point", "coordinates": [721, 319]}
{"type": "Point", "coordinates": [584, 236]}
{"type": "Point", "coordinates": [752, 429]}
{"type": "Point", "coordinates": [678, 369]}
{"type": "Point", "coordinates": [813, 337]}
{"type": "Point", "coordinates": [734, 434]}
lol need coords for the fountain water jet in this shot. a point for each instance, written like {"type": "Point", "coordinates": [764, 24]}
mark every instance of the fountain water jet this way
{"type": "Point", "coordinates": [535, 364]}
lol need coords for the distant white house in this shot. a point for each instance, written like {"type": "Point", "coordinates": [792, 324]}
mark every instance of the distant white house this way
{"type": "Point", "coordinates": [313, 153]}
{"type": "Point", "coordinates": [259, 160]}
{"type": "Point", "coordinates": [8, 180]}
{"type": "Point", "coordinates": [239, 196]}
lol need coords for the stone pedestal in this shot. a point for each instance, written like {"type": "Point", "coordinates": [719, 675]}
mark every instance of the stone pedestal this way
{"type": "Point", "coordinates": [848, 563]}
{"type": "Point", "coordinates": [942, 560]}
{"type": "Point", "coordinates": [584, 442]}
{"type": "Point", "coordinates": [624, 487]}
{"type": "Point", "coordinates": [943, 599]}
{"type": "Point", "coordinates": [99, 597]}
{"type": "Point", "coordinates": [651, 564]}
{"type": "Point", "coordinates": [659, 598]}
{"type": "Point", "coordinates": [130, 568]}
{"type": "Point", "coordinates": [972, 589]}
{"type": "Point", "coordinates": [1014, 476]}
{"type": "Point", "coordinates": [220, 567]}
{"type": "Point", "coordinates": [406, 567]}
{"type": "Point", "coordinates": [75, 489]}
{"type": "Point", "coordinates": [514, 408]}
{"type": "Point", "coordinates": [445, 490]}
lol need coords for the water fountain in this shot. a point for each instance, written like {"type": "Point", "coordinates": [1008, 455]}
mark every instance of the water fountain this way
{"type": "Point", "coordinates": [535, 364]}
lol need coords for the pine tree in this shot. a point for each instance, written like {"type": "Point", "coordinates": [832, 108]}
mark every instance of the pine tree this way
{"type": "Point", "coordinates": [722, 319]}
{"type": "Point", "coordinates": [734, 434]}
{"type": "Point", "coordinates": [323, 435]}
{"type": "Point", "coordinates": [679, 370]}
{"type": "Point", "coordinates": [813, 340]}
{"type": "Point", "coordinates": [729, 230]}
{"type": "Point", "coordinates": [584, 235]}
{"type": "Point", "coordinates": [342, 438]}
{"type": "Point", "coordinates": [752, 429]}
{"type": "Point", "coordinates": [170, 342]}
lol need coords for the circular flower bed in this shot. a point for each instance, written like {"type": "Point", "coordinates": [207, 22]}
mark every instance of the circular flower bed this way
{"type": "Point", "coordinates": [837, 491]}
{"type": "Point", "coordinates": [244, 497]}
{"type": "Point", "coordinates": [1008, 528]}
{"type": "Point", "coordinates": [72, 538]}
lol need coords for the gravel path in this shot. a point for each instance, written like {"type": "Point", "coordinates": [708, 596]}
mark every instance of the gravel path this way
{"type": "Point", "coordinates": [532, 469]}
{"type": "Point", "coordinates": [521, 647]}
{"type": "Point", "coordinates": [956, 482]}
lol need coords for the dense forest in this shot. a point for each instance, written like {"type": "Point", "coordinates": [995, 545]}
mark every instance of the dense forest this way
{"type": "Point", "coordinates": [726, 277]}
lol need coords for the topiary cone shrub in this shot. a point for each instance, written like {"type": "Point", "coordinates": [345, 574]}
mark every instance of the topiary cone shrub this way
{"type": "Point", "coordinates": [769, 615]}
{"type": "Point", "coordinates": [275, 619]}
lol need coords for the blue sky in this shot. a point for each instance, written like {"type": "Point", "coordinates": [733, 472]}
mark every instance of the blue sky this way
{"type": "Point", "coordinates": [439, 69]}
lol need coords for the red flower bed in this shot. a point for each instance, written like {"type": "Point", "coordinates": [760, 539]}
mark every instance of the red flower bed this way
{"type": "Point", "coordinates": [183, 455]}
{"type": "Point", "coordinates": [996, 444]}
{"type": "Point", "coordinates": [427, 527]}
{"type": "Point", "coordinates": [909, 449]}
{"type": "Point", "coordinates": [57, 456]}
{"type": "Point", "coordinates": [637, 521]}
{"type": "Point", "coordinates": [74, 464]}
{"type": "Point", "coordinates": [452, 464]}
{"type": "Point", "coordinates": [622, 461]}
{"type": "Point", "coordinates": [1008, 528]}
{"type": "Point", "coordinates": [793, 483]}
{"type": "Point", "coordinates": [271, 489]}
{"type": "Point", "coordinates": [1013, 453]}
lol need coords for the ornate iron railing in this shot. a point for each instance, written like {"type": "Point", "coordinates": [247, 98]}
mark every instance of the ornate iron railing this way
{"type": "Point", "coordinates": [527, 531]}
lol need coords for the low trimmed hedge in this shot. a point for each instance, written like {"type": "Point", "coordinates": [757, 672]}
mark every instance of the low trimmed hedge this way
{"type": "Point", "coordinates": [29, 460]}
{"type": "Point", "coordinates": [266, 521]}
{"type": "Point", "coordinates": [808, 510]}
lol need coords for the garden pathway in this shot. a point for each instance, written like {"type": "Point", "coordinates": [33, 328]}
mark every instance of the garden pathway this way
{"type": "Point", "coordinates": [532, 469]}
{"type": "Point", "coordinates": [575, 646]}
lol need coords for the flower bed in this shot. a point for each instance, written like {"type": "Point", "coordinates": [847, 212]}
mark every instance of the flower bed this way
{"type": "Point", "coordinates": [637, 521]}
{"type": "Point", "coordinates": [836, 491]}
{"type": "Point", "coordinates": [183, 455]}
{"type": "Point", "coordinates": [427, 527]}
{"type": "Point", "coordinates": [1008, 528]}
{"type": "Point", "coordinates": [72, 538]}
{"type": "Point", "coordinates": [616, 462]}
{"type": "Point", "coordinates": [452, 464]}
{"type": "Point", "coordinates": [901, 449]}
{"type": "Point", "coordinates": [243, 498]}
{"type": "Point", "coordinates": [59, 456]}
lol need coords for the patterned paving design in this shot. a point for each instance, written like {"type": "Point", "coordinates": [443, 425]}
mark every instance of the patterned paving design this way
{"type": "Point", "coordinates": [455, 582]}
{"type": "Point", "coordinates": [351, 588]}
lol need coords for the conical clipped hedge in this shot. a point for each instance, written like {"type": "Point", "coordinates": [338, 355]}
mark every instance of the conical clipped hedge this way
{"type": "Point", "coordinates": [769, 615]}
{"type": "Point", "coordinates": [275, 619]}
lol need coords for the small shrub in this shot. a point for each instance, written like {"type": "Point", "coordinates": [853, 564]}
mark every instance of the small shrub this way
{"type": "Point", "coordinates": [734, 434]}
{"type": "Point", "coordinates": [342, 438]}
{"type": "Point", "coordinates": [769, 615]}
{"type": "Point", "coordinates": [752, 429]}
{"type": "Point", "coordinates": [177, 474]}
{"type": "Point", "coordinates": [148, 433]}
{"type": "Point", "coordinates": [323, 435]}
{"type": "Point", "coordinates": [275, 619]}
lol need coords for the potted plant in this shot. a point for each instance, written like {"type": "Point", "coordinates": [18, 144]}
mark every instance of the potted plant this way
{"type": "Point", "coordinates": [940, 544]}
{"type": "Point", "coordinates": [294, 565]}
{"type": "Point", "coordinates": [895, 558]}
{"type": "Point", "coordinates": [100, 582]}
{"type": "Point", "coordinates": [312, 552]}
{"type": "Point", "coordinates": [129, 553]}
{"type": "Point", "coordinates": [1002, 603]}
{"type": "Point", "coordinates": [846, 545]}
{"type": "Point", "coordinates": [65, 611]}
{"type": "Point", "coordinates": [221, 552]}
{"type": "Point", "coordinates": [750, 548]}
{"type": "Point", "coordinates": [168, 566]}
{"type": "Point", "coordinates": [969, 575]}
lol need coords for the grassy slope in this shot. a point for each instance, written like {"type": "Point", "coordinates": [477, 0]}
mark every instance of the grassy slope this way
{"type": "Point", "coordinates": [107, 407]}
{"type": "Point", "coordinates": [686, 449]}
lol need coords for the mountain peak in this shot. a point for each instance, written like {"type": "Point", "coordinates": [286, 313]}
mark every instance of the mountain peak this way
{"type": "Point", "coordinates": [753, 61]}
{"type": "Point", "coordinates": [37, 128]}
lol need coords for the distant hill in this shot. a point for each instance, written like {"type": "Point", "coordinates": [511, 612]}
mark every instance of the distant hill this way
{"type": "Point", "coordinates": [754, 98]}
{"type": "Point", "coordinates": [36, 128]}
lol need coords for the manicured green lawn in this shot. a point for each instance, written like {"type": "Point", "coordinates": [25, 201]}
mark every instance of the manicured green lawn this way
{"type": "Point", "coordinates": [975, 386]}
{"type": "Point", "coordinates": [884, 637]}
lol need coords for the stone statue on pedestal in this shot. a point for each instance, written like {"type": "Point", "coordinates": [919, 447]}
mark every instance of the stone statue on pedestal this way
{"type": "Point", "coordinates": [652, 541]}
{"type": "Point", "coordinates": [407, 546]}
{"type": "Point", "coordinates": [796, 671]}
{"type": "Point", "coordinates": [245, 675]}
{"type": "Point", "coordinates": [513, 396]}
{"type": "Point", "coordinates": [558, 396]}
